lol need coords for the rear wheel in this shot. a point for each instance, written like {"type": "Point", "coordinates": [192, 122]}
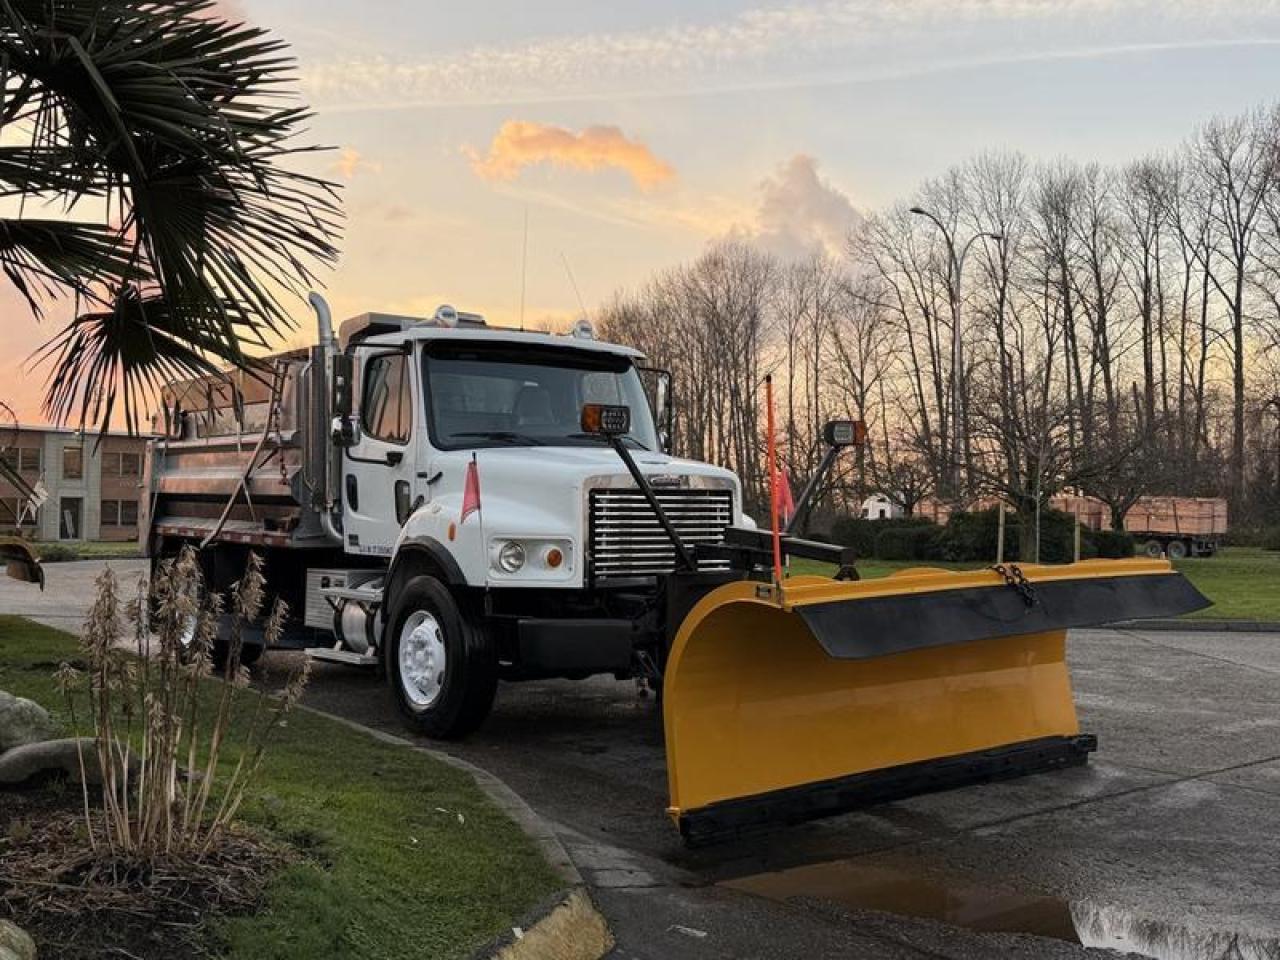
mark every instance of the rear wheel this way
{"type": "Point", "coordinates": [442, 668]}
{"type": "Point", "coordinates": [1153, 549]}
{"type": "Point", "coordinates": [1177, 550]}
{"type": "Point", "coordinates": [220, 650]}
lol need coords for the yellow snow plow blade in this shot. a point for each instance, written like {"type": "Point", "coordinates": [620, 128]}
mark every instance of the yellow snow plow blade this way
{"type": "Point", "coordinates": [835, 695]}
{"type": "Point", "coordinates": [20, 561]}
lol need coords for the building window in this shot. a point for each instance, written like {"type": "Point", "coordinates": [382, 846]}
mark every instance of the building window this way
{"type": "Point", "coordinates": [119, 513]}
{"type": "Point", "coordinates": [72, 463]}
{"type": "Point", "coordinates": [120, 463]}
{"type": "Point", "coordinates": [15, 514]}
{"type": "Point", "coordinates": [29, 459]}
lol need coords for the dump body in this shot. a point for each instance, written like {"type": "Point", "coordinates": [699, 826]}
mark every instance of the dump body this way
{"type": "Point", "coordinates": [204, 464]}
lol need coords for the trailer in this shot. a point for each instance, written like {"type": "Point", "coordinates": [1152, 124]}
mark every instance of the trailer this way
{"type": "Point", "coordinates": [1176, 527]}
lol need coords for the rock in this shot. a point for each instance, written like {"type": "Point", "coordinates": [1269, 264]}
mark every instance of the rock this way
{"type": "Point", "coordinates": [15, 944]}
{"type": "Point", "coordinates": [35, 761]}
{"type": "Point", "coordinates": [23, 722]}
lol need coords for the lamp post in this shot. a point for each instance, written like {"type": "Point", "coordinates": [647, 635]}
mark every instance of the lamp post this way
{"type": "Point", "coordinates": [955, 264]}
{"type": "Point", "coordinates": [1274, 404]}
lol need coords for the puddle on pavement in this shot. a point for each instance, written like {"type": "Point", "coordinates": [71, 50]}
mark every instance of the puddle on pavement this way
{"type": "Point", "coordinates": [886, 890]}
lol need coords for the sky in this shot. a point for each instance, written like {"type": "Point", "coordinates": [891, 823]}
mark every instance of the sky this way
{"type": "Point", "coordinates": [629, 136]}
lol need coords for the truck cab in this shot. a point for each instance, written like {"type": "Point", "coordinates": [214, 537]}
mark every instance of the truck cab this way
{"type": "Point", "coordinates": [428, 500]}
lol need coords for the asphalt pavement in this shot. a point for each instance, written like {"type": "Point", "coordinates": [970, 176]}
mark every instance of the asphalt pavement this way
{"type": "Point", "coordinates": [1166, 843]}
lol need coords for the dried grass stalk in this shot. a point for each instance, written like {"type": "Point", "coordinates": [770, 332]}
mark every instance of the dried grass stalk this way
{"type": "Point", "coordinates": [145, 709]}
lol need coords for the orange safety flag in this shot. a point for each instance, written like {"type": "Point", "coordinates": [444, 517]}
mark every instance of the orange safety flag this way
{"type": "Point", "coordinates": [471, 491]}
{"type": "Point", "coordinates": [786, 502]}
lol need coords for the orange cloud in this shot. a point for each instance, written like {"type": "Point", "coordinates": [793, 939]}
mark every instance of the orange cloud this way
{"type": "Point", "coordinates": [351, 162]}
{"type": "Point", "coordinates": [521, 143]}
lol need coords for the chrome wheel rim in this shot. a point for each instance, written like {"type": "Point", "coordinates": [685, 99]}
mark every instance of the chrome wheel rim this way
{"type": "Point", "coordinates": [422, 659]}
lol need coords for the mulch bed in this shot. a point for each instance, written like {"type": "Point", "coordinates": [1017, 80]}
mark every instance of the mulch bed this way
{"type": "Point", "coordinates": [77, 904]}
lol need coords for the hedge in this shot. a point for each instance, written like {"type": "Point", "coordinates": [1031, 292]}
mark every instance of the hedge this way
{"type": "Point", "coordinates": [970, 537]}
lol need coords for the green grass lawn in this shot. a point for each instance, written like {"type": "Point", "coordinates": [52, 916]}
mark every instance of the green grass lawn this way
{"type": "Point", "coordinates": [405, 857]}
{"type": "Point", "coordinates": [1242, 582]}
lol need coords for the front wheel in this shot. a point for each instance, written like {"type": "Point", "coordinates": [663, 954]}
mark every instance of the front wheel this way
{"type": "Point", "coordinates": [442, 668]}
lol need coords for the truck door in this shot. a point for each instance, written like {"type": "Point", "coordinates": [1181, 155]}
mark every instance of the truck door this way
{"type": "Point", "coordinates": [378, 468]}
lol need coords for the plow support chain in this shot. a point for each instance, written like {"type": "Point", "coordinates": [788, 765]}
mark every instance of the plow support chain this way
{"type": "Point", "coordinates": [838, 695]}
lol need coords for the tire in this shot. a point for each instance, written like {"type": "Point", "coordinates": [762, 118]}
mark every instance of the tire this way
{"type": "Point", "coordinates": [1177, 550]}
{"type": "Point", "coordinates": [441, 667]}
{"type": "Point", "coordinates": [1153, 549]}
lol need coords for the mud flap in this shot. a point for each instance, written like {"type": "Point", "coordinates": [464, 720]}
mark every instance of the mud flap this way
{"type": "Point", "coordinates": [836, 695]}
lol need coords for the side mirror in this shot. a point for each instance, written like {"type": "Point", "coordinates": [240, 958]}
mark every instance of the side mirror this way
{"type": "Point", "coordinates": [345, 432]}
{"type": "Point", "coordinates": [658, 387]}
{"type": "Point", "coordinates": [845, 433]}
{"type": "Point", "coordinates": [342, 371]}
{"type": "Point", "coordinates": [605, 420]}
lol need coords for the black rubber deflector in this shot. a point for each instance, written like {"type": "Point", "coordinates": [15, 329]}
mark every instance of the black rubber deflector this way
{"type": "Point", "coordinates": [735, 819]}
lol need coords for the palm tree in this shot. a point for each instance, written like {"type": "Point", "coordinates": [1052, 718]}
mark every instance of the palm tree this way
{"type": "Point", "coordinates": [157, 133]}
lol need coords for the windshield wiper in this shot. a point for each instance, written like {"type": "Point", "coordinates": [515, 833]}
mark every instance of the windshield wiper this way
{"type": "Point", "coordinates": [504, 436]}
{"type": "Point", "coordinates": [593, 436]}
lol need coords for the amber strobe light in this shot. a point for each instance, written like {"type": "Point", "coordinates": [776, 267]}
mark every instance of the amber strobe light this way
{"type": "Point", "coordinates": [606, 420]}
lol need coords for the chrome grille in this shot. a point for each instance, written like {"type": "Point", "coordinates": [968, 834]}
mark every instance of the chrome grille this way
{"type": "Point", "coordinates": [627, 540]}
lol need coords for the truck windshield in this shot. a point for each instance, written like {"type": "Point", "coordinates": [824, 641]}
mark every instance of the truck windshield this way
{"type": "Point", "coordinates": [482, 395]}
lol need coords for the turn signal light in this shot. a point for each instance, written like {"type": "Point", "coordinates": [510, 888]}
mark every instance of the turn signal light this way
{"type": "Point", "coordinates": [601, 419]}
{"type": "Point", "coordinates": [554, 558]}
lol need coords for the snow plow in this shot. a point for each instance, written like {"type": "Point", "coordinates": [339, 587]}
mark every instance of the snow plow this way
{"type": "Point", "coordinates": [786, 703]}
{"type": "Point", "coordinates": [788, 699]}
{"type": "Point", "coordinates": [20, 561]}
{"type": "Point", "coordinates": [445, 503]}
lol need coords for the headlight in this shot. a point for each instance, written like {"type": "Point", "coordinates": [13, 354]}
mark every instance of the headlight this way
{"type": "Point", "coordinates": [511, 556]}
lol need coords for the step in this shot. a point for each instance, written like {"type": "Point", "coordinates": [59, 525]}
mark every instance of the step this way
{"type": "Point", "coordinates": [349, 657]}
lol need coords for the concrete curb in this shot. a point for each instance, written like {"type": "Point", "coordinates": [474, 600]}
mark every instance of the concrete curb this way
{"type": "Point", "coordinates": [1200, 626]}
{"type": "Point", "coordinates": [566, 927]}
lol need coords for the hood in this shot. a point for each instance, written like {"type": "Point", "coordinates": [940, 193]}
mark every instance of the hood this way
{"type": "Point", "coordinates": [590, 462]}
{"type": "Point", "coordinates": [532, 489]}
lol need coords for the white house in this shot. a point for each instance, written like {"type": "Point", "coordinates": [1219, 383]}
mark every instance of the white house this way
{"type": "Point", "coordinates": [879, 507]}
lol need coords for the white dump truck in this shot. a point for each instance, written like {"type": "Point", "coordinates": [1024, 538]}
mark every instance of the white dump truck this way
{"type": "Point", "coordinates": [457, 504]}
{"type": "Point", "coordinates": [426, 499]}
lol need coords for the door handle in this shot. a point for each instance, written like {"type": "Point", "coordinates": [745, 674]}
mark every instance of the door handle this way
{"type": "Point", "coordinates": [394, 457]}
{"type": "Point", "coordinates": [353, 492]}
{"type": "Point", "coordinates": [403, 508]}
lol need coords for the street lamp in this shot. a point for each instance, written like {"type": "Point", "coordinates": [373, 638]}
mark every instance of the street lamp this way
{"type": "Point", "coordinates": [955, 264]}
{"type": "Point", "coordinates": [1274, 403]}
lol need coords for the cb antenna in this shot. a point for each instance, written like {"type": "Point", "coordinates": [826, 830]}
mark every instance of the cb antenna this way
{"type": "Point", "coordinates": [524, 264]}
{"type": "Point", "coordinates": [573, 283]}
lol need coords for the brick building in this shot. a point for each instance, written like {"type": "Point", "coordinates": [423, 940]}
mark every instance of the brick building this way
{"type": "Point", "coordinates": [93, 486]}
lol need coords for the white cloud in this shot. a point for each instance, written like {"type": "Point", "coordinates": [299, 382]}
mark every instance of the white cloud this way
{"type": "Point", "coordinates": [800, 212]}
{"type": "Point", "coordinates": [796, 43]}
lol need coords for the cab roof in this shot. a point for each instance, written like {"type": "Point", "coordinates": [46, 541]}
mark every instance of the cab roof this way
{"type": "Point", "coordinates": [423, 330]}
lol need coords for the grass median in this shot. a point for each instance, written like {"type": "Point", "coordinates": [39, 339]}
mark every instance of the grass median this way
{"type": "Point", "coordinates": [401, 856]}
{"type": "Point", "coordinates": [1242, 582]}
